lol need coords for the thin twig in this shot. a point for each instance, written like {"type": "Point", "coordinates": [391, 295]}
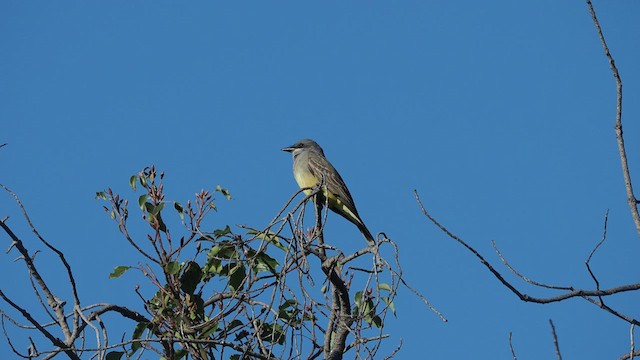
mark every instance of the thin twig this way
{"type": "Point", "coordinates": [631, 198]}
{"type": "Point", "coordinates": [604, 236]}
{"type": "Point", "coordinates": [394, 352]}
{"type": "Point", "coordinates": [472, 250]}
{"type": "Point", "coordinates": [586, 294]}
{"type": "Point", "coordinates": [513, 352]}
{"type": "Point", "coordinates": [424, 299]}
{"type": "Point", "coordinates": [633, 341]}
{"type": "Point", "coordinates": [587, 263]}
{"type": "Point", "coordinates": [53, 301]}
{"type": "Point", "coordinates": [54, 340]}
{"type": "Point", "coordinates": [628, 356]}
{"type": "Point", "coordinates": [523, 277]}
{"type": "Point", "coordinates": [555, 340]}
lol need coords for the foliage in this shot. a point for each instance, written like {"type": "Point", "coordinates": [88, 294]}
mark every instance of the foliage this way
{"type": "Point", "coordinates": [222, 294]}
{"type": "Point", "coordinates": [275, 293]}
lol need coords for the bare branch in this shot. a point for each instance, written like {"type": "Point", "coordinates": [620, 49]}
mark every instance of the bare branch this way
{"type": "Point", "coordinates": [472, 250]}
{"type": "Point", "coordinates": [54, 340]}
{"type": "Point", "coordinates": [6, 336]}
{"type": "Point", "coordinates": [571, 292]}
{"type": "Point", "coordinates": [633, 341]}
{"type": "Point", "coordinates": [604, 237]}
{"type": "Point", "coordinates": [513, 352]}
{"type": "Point", "coordinates": [631, 198]}
{"type": "Point", "coordinates": [414, 291]}
{"type": "Point", "coordinates": [630, 356]}
{"type": "Point", "coordinates": [53, 301]}
{"type": "Point", "coordinates": [394, 352]}
{"type": "Point", "coordinates": [47, 244]}
{"type": "Point", "coordinates": [525, 278]}
{"type": "Point", "coordinates": [555, 340]}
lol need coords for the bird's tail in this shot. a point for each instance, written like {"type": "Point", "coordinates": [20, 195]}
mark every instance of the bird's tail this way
{"type": "Point", "coordinates": [367, 234]}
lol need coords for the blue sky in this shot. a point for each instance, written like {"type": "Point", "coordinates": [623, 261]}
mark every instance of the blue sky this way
{"type": "Point", "coordinates": [500, 114]}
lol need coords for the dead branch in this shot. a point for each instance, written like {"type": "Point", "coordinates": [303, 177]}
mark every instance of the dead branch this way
{"type": "Point", "coordinates": [571, 292]}
{"type": "Point", "coordinates": [631, 198]}
{"type": "Point", "coordinates": [513, 352]}
{"type": "Point", "coordinates": [555, 340]}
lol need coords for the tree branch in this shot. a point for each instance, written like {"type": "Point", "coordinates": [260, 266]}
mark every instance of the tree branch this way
{"type": "Point", "coordinates": [54, 340]}
{"type": "Point", "coordinates": [555, 340]}
{"type": "Point", "coordinates": [53, 301]}
{"type": "Point", "coordinates": [571, 292]}
{"type": "Point", "coordinates": [631, 198]}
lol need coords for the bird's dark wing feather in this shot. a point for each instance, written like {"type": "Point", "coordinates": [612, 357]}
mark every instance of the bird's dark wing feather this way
{"type": "Point", "coordinates": [319, 167]}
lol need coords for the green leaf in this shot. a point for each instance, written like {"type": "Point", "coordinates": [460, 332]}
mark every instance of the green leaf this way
{"type": "Point", "coordinates": [289, 311]}
{"type": "Point", "coordinates": [101, 195]}
{"type": "Point", "coordinates": [137, 333]}
{"type": "Point", "coordinates": [179, 209]}
{"type": "Point", "coordinates": [155, 301]}
{"type": "Point", "coordinates": [132, 181]}
{"type": "Point", "coordinates": [358, 297]}
{"type": "Point", "coordinates": [142, 200]}
{"type": "Point", "coordinates": [206, 238]}
{"type": "Point", "coordinates": [224, 192]}
{"type": "Point", "coordinates": [190, 277]}
{"type": "Point", "coordinates": [181, 353]}
{"type": "Point", "coordinates": [139, 330]}
{"type": "Point", "coordinates": [222, 252]}
{"type": "Point", "coordinates": [114, 355]}
{"type": "Point", "coordinates": [214, 251]}
{"type": "Point", "coordinates": [390, 304]}
{"type": "Point", "coordinates": [262, 262]}
{"type": "Point", "coordinates": [288, 303]}
{"type": "Point", "coordinates": [237, 276]}
{"type": "Point", "coordinates": [367, 307]}
{"type": "Point", "coordinates": [377, 321]}
{"type": "Point", "coordinates": [272, 333]}
{"type": "Point", "coordinates": [268, 236]}
{"type": "Point", "coordinates": [384, 286]}
{"type": "Point", "coordinates": [209, 330]}
{"type": "Point", "coordinates": [196, 306]}
{"type": "Point", "coordinates": [225, 250]}
{"type": "Point", "coordinates": [163, 226]}
{"type": "Point", "coordinates": [233, 324]}
{"type": "Point", "coordinates": [213, 266]}
{"type": "Point", "coordinates": [154, 214]}
{"type": "Point", "coordinates": [220, 233]}
{"type": "Point", "coordinates": [241, 335]}
{"type": "Point", "coordinates": [155, 210]}
{"type": "Point", "coordinates": [172, 267]}
{"type": "Point", "coordinates": [118, 271]}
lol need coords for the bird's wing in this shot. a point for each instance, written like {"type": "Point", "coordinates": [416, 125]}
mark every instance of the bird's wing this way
{"type": "Point", "coordinates": [319, 167]}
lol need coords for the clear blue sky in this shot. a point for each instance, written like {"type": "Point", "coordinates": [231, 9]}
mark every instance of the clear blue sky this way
{"type": "Point", "coordinates": [499, 113]}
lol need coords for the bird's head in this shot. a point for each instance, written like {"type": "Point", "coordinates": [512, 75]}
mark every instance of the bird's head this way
{"type": "Point", "coordinates": [304, 145]}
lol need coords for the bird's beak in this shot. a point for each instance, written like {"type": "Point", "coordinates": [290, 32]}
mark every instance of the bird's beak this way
{"type": "Point", "coordinates": [288, 149]}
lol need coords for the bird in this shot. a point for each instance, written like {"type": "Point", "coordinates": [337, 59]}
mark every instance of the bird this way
{"type": "Point", "coordinates": [309, 167]}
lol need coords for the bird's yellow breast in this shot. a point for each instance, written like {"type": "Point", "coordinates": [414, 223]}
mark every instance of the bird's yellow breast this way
{"type": "Point", "coordinates": [305, 179]}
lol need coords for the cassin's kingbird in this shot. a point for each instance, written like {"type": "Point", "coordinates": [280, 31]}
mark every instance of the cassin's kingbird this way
{"type": "Point", "coordinates": [310, 166]}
